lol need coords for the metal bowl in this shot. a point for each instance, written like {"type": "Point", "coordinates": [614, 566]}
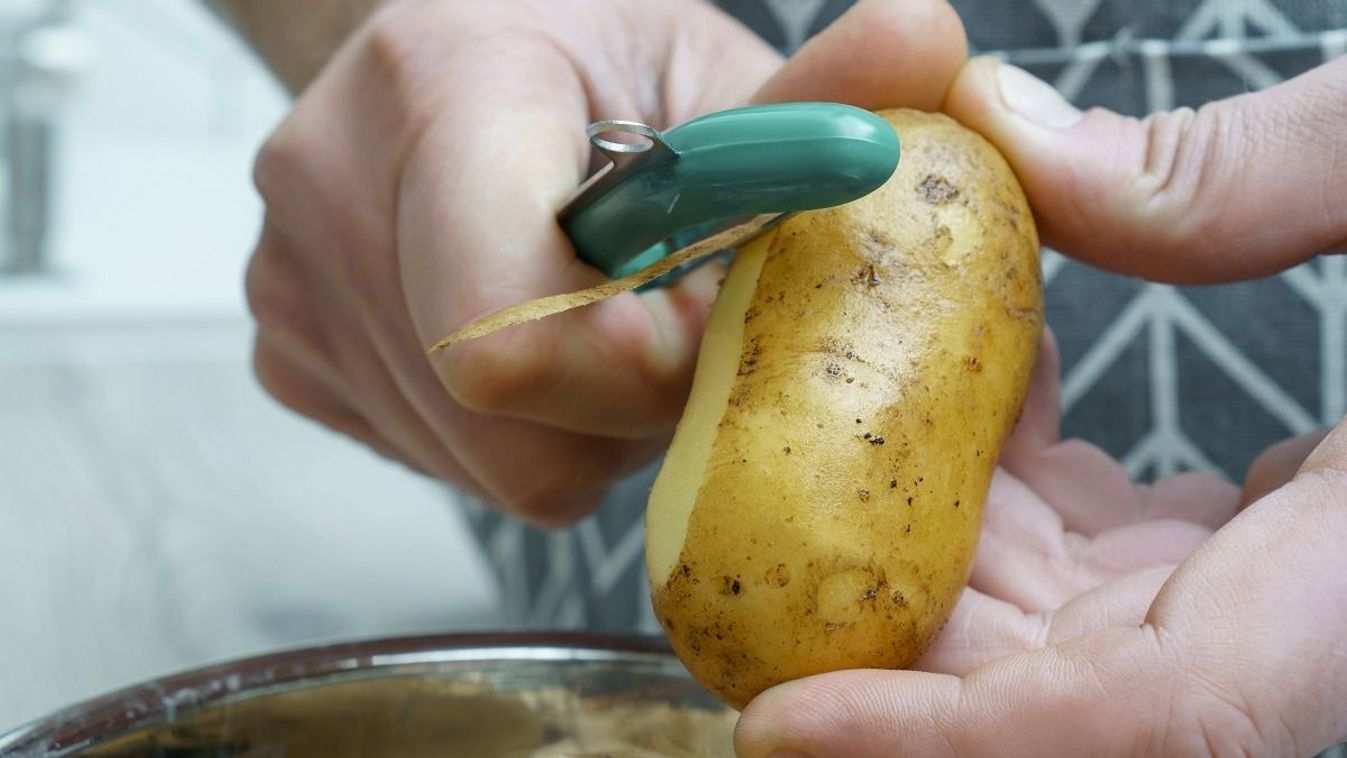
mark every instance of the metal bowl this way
{"type": "Point", "coordinates": [454, 695]}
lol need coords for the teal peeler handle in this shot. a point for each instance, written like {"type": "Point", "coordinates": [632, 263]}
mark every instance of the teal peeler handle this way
{"type": "Point", "coordinates": [722, 166]}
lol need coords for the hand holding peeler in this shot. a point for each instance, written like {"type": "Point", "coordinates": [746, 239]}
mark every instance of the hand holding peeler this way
{"type": "Point", "coordinates": [663, 190]}
{"type": "Point", "coordinates": [705, 185]}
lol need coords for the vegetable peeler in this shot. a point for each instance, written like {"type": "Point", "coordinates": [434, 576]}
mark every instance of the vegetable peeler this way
{"type": "Point", "coordinates": [663, 190]}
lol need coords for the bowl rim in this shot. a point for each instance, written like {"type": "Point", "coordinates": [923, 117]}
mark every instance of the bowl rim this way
{"type": "Point", "coordinates": [162, 699]}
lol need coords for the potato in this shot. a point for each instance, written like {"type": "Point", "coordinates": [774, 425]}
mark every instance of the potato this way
{"type": "Point", "coordinates": [820, 503]}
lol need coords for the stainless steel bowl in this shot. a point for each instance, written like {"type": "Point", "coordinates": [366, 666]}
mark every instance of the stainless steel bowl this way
{"type": "Point", "coordinates": [455, 695]}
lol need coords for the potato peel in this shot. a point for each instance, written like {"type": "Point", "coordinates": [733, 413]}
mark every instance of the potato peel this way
{"type": "Point", "coordinates": [539, 308]}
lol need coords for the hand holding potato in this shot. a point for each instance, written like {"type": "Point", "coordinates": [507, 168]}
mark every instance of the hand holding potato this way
{"type": "Point", "coordinates": [1107, 619]}
{"type": "Point", "coordinates": [1104, 619]}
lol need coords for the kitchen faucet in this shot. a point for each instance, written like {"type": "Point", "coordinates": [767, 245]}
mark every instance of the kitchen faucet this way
{"type": "Point", "coordinates": [41, 51]}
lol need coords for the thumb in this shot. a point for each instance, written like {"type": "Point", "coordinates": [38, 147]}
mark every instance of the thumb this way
{"type": "Point", "coordinates": [1239, 188]}
{"type": "Point", "coordinates": [879, 54]}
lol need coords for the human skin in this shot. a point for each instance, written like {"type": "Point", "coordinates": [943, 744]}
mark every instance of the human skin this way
{"type": "Point", "coordinates": [414, 187]}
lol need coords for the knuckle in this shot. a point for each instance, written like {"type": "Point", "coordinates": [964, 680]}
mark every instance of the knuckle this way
{"type": "Point", "coordinates": [406, 43]}
{"type": "Point", "coordinates": [496, 374]}
{"type": "Point", "coordinates": [256, 289]}
{"type": "Point", "coordinates": [273, 168]}
{"type": "Point", "coordinates": [573, 481]}
{"type": "Point", "coordinates": [551, 501]}
{"type": "Point", "coordinates": [284, 318]}
{"type": "Point", "coordinates": [406, 47]}
{"type": "Point", "coordinates": [1174, 159]}
{"type": "Point", "coordinates": [393, 37]}
{"type": "Point", "coordinates": [1167, 137]}
{"type": "Point", "coordinates": [395, 48]}
{"type": "Point", "coordinates": [396, 58]}
{"type": "Point", "coordinates": [282, 169]}
{"type": "Point", "coordinates": [1181, 182]}
{"type": "Point", "coordinates": [272, 373]}
{"type": "Point", "coordinates": [269, 307]}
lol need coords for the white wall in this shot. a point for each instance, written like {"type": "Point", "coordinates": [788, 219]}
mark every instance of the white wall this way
{"type": "Point", "coordinates": [157, 510]}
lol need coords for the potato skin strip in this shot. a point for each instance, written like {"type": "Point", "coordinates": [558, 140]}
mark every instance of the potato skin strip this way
{"type": "Point", "coordinates": [539, 308]}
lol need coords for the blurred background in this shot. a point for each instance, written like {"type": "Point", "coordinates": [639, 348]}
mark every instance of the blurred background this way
{"type": "Point", "coordinates": [157, 510]}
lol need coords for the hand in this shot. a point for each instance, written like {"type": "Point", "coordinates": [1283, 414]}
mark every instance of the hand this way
{"type": "Point", "coordinates": [414, 188]}
{"type": "Point", "coordinates": [1079, 635]}
{"type": "Point", "coordinates": [1239, 188]}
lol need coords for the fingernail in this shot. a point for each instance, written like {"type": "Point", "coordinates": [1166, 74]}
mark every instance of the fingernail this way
{"type": "Point", "coordinates": [1034, 99]}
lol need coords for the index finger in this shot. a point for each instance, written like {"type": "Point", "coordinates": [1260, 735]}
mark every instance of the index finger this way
{"type": "Point", "coordinates": [477, 232]}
